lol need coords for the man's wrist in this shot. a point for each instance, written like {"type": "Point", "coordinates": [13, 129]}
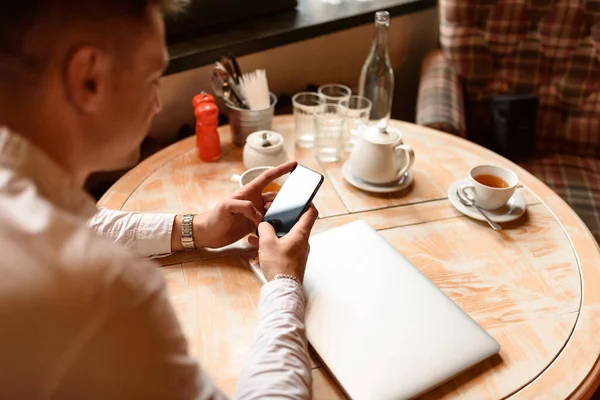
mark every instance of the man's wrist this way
{"type": "Point", "coordinates": [272, 274]}
{"type": "Point", "coordinates": [287, 277]}
{"type": "Point", "coordinates": [199, 230]}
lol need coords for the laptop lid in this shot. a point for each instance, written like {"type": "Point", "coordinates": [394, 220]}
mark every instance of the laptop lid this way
{"type": "Point", "coordinates": [381, 327]}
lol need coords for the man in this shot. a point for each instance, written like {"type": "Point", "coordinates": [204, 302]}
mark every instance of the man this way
{"type": "Point", "coordinates": [82, 316]}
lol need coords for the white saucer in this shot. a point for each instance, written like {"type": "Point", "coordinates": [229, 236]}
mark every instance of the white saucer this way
{"type": "Point", "coordinates": [513, 210]}
{"type": "Point", "coordinates": [403, 183]}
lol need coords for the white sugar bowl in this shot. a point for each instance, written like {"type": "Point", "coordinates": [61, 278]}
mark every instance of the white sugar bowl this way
{"type": "Point", "coordinates": [264, 148]}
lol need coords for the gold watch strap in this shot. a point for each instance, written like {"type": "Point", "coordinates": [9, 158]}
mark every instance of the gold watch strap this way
{"type": "Point", "coordinates": [187, 232]}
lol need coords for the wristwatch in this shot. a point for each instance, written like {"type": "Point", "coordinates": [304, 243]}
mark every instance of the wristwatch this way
{"type": "Point", "coordinates": [187, 232]}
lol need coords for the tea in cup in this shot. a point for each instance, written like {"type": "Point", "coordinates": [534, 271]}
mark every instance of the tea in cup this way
{"type": "Point", "coordinates": [250, 174]}
{"type": "Point", "coordinates": [493, 185]}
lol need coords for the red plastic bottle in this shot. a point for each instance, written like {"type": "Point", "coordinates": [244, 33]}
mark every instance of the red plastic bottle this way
{"type": "Point", "coordinates": [207, 121]}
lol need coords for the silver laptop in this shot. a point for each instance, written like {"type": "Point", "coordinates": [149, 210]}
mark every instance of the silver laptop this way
{"type": "Point", "coordinates": [381, 327]}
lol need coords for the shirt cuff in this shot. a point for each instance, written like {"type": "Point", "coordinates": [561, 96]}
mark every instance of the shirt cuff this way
{"type": "Point", "coordinates": [281, 295]}
{"type": "Point", "coordinates": [154, 234]}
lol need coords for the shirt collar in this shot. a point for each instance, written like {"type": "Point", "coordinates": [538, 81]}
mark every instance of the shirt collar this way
{"type": "Point", "coordinates": [52, 182]}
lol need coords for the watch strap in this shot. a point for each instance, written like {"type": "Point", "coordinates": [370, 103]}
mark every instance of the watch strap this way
{"type": "Point", "coordinates": [187, 232]}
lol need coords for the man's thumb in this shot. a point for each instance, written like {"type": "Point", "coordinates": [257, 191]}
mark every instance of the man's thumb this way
{"type": "Point", "coordinates": [266, 231]}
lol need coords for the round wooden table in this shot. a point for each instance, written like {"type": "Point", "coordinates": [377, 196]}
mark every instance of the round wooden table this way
{"type": "Point", "coordinates": [534, 286]}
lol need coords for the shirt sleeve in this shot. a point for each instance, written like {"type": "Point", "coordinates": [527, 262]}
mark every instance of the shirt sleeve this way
{"type": "Point", "coordinates": [279, 364]}
{"type": "Point", "coordinates": [147, 233]}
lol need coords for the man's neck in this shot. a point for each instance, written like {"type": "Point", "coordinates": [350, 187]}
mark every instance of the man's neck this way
{"type": "Point", "coordinates": [57, 145]}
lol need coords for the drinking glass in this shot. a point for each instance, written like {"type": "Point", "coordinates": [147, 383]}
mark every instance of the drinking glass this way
{"type": "Point", "coordinates": [334, 93]}
{"type": "Point", "coordinates": [305, 104]}
{"type": "Point", "coordinates": [330, 123]}
{"type": "Point", "coordinates": [357, 110]}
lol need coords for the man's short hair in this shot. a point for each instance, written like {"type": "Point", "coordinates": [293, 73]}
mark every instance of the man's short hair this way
{"type": "Point", "coordinates": [22, 23]}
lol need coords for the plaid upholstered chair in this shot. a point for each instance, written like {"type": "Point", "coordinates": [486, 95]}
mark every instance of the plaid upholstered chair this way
{"type": "Point", "coordinates": [546, 47]}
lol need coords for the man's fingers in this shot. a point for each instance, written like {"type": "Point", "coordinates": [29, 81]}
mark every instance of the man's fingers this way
{"type": "Point", "coordinates": [268, 197]}
{"type": "Point", "coordinates": [253, 240]}
{"type": "Point", "coordinates": [266, 232]}
{"type": "Point", "coordinates": [261, 181]}
{"type": "Point", "coordinates": [244, 207]}
{"type": "Point", "coordinates": [306, 221]}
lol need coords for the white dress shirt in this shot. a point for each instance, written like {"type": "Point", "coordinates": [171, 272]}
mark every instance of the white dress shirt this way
{"type": "Point", "coordinates": [85, 317]}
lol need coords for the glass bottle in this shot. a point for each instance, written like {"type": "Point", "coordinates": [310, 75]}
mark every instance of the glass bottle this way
{"type": "Point", "coordinates": [377, 76]}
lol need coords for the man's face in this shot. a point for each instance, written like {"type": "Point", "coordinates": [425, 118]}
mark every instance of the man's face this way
{"type": "Point", "coordinates": [130, 100]}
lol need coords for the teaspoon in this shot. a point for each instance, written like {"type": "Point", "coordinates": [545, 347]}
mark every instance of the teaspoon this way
{"type": "Point", "coordinates": [466, 197]}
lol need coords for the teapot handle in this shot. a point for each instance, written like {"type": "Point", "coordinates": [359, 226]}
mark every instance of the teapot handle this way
{"type": "Point", "coordinates": [410, 158]}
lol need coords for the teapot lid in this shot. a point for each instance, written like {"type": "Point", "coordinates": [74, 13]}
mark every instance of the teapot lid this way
{"type": "Point", "coordinates": [265, 140]}
{"type": "Point", "coordinates": [382, 134]}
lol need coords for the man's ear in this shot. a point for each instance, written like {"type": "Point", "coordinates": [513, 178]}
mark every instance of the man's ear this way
{"type": "Point", "coordinates": [86, 78]}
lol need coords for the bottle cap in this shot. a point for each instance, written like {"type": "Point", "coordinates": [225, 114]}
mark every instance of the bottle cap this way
{"type": "Point", "coordinates": [207, 113]}
{"type": "Point", "coordinates": [202, 97]}
{"type": "Point", "coordinates": [382, 17]}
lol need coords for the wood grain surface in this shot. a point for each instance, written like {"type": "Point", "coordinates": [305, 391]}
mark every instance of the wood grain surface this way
{"type": "Point", "coordinates": [534, 286]}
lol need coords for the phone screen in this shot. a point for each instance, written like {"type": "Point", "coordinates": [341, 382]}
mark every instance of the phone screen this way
{"type": "Point", "coordinates": [293, 199]}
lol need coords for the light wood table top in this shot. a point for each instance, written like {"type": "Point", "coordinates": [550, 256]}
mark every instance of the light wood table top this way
{"type": "Point", "coordinates": [535, 286]}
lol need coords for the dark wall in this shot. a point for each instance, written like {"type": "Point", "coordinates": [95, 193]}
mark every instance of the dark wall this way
{"type": "Point", "coordinates": [203, 15]}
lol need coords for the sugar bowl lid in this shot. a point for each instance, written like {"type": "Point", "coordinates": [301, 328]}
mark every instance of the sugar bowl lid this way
{"type": "Point", "coordinates": [265, 140]}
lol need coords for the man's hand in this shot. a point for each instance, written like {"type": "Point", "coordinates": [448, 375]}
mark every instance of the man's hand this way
{"type": "Point", "coordinates": [235, 217]}
{"type": "Point", "coordinates": [289, 254]}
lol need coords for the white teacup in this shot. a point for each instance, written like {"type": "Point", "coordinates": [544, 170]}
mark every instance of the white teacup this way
{"type": "Point", "coordinates": [250, 174]}
{"type": "Point", "coordinates": [493, 185]}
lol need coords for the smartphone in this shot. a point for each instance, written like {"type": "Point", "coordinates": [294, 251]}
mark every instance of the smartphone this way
{"type": "Point", "coordinates": [293, 199]}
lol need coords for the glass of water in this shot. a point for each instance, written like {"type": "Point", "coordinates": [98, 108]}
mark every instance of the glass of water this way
{"type": "Point", "coordinates": [330, 123]}
{"type": "Point", "coordinates": [305, 105]}
{"type": "Point", "coordinates": [334, 93]}
{"type": "Point", "coordinates": [357, 110]}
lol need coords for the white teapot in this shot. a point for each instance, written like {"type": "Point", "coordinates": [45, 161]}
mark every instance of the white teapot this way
{"type": "Point", "coordinates": [379, 156]}
{"type": "Point", "coordinates": [264, 148]}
